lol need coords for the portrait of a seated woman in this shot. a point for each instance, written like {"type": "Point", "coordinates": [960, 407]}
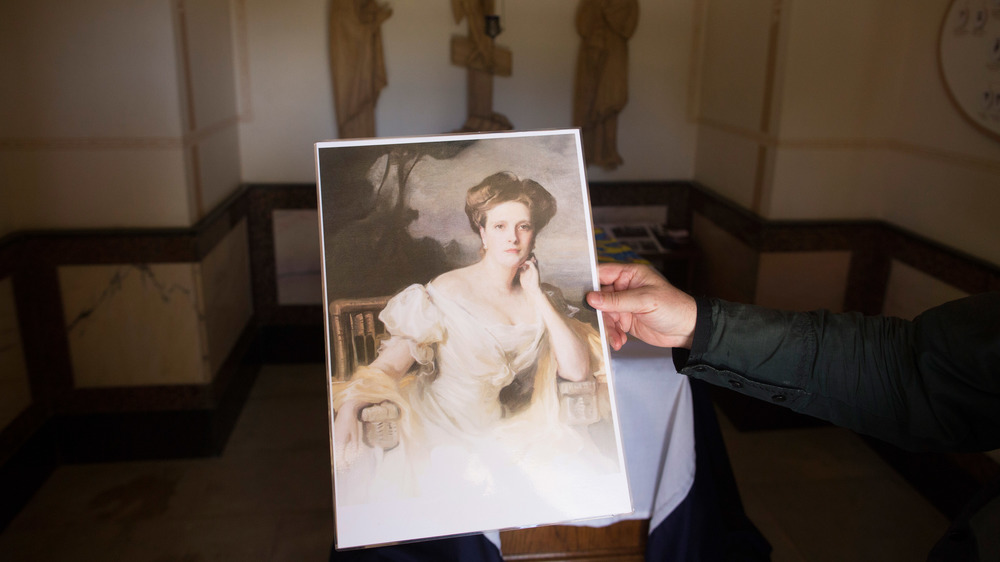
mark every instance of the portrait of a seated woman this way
{"type": "Point", "coordinates": [473, 364]}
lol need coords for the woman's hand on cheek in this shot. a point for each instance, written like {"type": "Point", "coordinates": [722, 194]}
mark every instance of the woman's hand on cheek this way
{"type": "Point", "coordinates": [528, 275]}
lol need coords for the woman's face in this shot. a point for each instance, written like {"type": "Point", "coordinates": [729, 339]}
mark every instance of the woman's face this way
{"type": "Point", "coordinates": [509, 235]}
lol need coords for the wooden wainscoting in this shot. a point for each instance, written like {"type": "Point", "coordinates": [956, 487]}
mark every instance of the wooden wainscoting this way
{"type": "Point", "coordinates": [621, 542]}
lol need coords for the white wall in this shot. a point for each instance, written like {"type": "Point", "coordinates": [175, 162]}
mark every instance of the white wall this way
{"type": "Point", "coordinates": [88, 113]}
{"type": "Point", "coordinates": [115, 113]}
{"type": "Point", "coordinates": [861, 124]}
{"type": "Point", "coordinates": [734, 67]}
{"type": "Point", "coordinates": [118, 113]}
{"type": "Point", "coordinates": [287, 104]}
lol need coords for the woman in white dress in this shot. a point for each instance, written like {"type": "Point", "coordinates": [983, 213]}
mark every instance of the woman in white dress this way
{"type": "Point", "coordinates": [473, 363]}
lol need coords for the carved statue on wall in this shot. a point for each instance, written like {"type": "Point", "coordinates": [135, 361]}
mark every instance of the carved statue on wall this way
{"type": "Point", "coordinates": [601, 89]}
{"type": "Point", "coordinates": [357, 63]}
{"type": "Point", "coordinates": [484, 60]}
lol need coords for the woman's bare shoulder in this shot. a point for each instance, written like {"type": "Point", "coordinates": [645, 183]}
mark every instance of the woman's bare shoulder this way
{"type": "Point", "coordinates": [454, 281]}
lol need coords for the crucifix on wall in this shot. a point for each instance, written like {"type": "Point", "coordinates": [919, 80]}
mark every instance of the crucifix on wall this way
{"type": "Point", "coordinates": [483, 59]}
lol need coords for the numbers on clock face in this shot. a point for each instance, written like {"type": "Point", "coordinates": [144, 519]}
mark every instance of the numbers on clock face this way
{"type": "Point", "coordinates": [969, 52]}
{"type": "Point", "coordinates": [979, 18]}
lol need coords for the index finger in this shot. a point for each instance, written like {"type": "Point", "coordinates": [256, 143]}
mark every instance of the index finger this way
{"type": "Point", "coordinates": [609, 272]}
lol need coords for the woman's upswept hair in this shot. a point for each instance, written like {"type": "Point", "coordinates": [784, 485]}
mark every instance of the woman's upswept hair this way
{"type": "Point", "coordinates": [503, 187]}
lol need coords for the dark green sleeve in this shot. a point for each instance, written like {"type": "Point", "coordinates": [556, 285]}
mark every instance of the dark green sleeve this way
{"type": "Point", "coordinates": [930, 384]}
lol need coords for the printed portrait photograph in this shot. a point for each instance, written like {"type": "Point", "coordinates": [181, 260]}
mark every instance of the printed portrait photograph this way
{"type": "Point", "coordinates": [469, 383]}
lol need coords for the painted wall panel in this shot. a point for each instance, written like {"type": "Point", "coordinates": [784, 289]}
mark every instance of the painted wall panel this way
{"type": "Point", "coordinates": [728, 268]}
{"type": "Point", "coordinates": [225, 277]}
{"type": "Point", "coordinates": [911, 291]}
{"type": "Point", "coordinates": [134, 325]}
{"type": "Point", "coordinates": [803, 280]}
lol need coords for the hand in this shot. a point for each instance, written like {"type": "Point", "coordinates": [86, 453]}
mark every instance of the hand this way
{"type": "Point", "coordinates": [346, 434]}
{"type": "Point", "coordinates": [528, 275]}
{"type": "Point", "coordinates": [635, 299]}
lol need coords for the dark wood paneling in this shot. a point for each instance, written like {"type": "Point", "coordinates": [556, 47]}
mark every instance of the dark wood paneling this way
{"type": "Point", "coordinates": [673, 194]}
{"type": "Point", "coordinates": [25, 470]}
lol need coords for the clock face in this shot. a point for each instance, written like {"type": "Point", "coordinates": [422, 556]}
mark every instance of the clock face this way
{"type": "Point", "coordinates": [970, 60]}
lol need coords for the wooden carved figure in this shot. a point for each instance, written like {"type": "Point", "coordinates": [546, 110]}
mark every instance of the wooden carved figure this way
{"type": "Point", "coordinates": [357, 63]}
{"type": "Point", "coordinates": [601, 89]}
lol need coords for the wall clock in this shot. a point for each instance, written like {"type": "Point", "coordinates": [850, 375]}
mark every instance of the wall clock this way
{"type": "Point", "coordinates": [969, 56]}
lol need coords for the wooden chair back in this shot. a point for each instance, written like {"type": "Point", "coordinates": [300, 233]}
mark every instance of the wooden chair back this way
{"type": "Point", "coordinates": [357, 333]}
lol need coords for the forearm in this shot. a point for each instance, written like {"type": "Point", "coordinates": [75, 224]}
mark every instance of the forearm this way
{"type": "Point", "coordinates": [380, 378]}
{"type": "Point", "coordinates": [571, 353]}
{"type": "Point", "coordinates": [881, 376]}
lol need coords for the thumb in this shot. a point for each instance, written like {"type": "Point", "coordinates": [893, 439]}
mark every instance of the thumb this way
{"type": "Point", "coordinates": [613, 301]}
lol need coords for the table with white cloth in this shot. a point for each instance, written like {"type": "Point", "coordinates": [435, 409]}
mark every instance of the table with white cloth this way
{"type": "Point", "coordinates": [657, 427]}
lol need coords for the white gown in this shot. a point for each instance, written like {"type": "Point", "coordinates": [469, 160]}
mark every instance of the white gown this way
{"type": "Point", "coordinates": [462, 442]}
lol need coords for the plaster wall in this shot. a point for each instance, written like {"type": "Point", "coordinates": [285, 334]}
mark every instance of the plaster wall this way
{"type": "Point", "coordinates": [205, 44]}
{"type": "Point", "coordinates": [860, 125]}
{"type": "Point", "coordinates": [286, 89]}
{"type": "Point", "coordinates": [868, 130]}
{"type": "Point", "coordinates": [911, 291]}
{"type": "Point", "coordinates": [732, 96]}
{"type": "Point", "coordinates": [802, 280]}
{"type": "Point", "coordinates": [104, 108]}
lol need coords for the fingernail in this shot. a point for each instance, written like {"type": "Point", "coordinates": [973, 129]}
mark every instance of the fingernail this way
{"type": "Point", "coordinates": [596, 298]}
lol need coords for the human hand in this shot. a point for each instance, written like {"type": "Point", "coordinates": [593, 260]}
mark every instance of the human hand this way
{"type": "Point", "coordinates": [635, 299]}
{"type": "Point", "coordinates": [346, 434]}
{"type": "Point", "coordinates": [528, 275]}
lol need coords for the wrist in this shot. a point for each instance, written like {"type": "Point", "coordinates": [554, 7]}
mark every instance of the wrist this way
{"type": "Point", "coordinates": [535, 293]}
{"type": "Point", "coordinates": [350, 408]}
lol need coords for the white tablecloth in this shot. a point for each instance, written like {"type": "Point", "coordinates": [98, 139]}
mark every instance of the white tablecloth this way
{"type": "Point", "coordinates": [657, 425]}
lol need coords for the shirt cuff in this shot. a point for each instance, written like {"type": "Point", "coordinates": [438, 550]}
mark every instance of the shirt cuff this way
{"type": "Point", "coordinates": [702, 333]}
